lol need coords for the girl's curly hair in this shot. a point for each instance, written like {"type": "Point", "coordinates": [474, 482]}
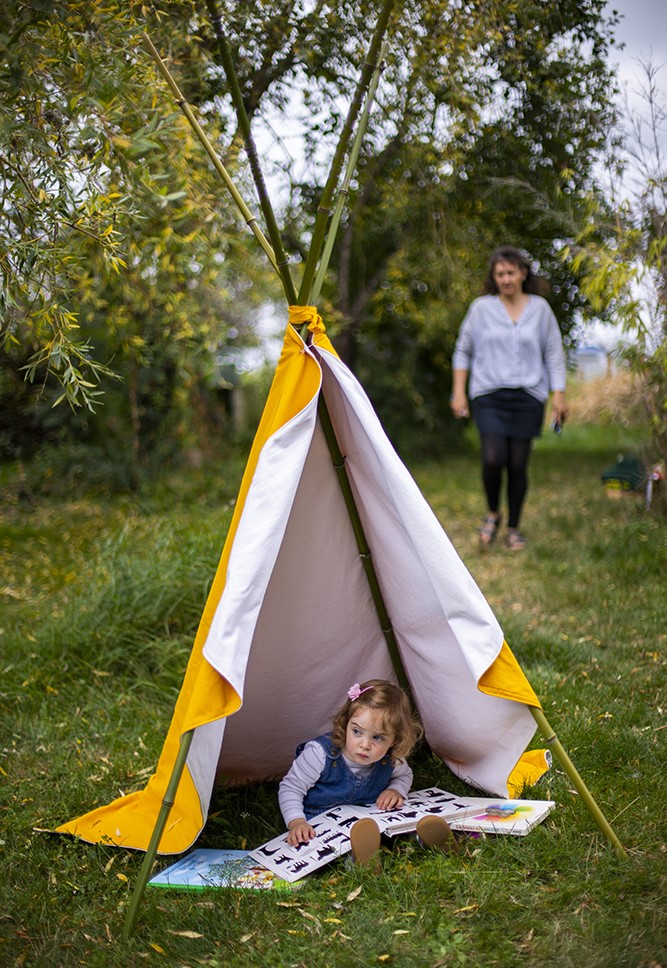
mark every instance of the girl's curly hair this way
{"type": "Point", "coordinates": [398, 717]}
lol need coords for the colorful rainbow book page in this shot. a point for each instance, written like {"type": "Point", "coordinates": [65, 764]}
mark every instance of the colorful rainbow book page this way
{"type": "Point", "coordinates": [205, 868]}
{"type": "Point", "coordinates": [515, 817]}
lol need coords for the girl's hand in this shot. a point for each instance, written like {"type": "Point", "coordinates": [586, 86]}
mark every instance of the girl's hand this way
{"type": "Point", "coordinates": [389, 800]}
{"type": "Point", "coordinates": [300, 832]}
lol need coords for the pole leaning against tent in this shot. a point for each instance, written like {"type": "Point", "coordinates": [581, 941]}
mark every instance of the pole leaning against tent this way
{"type": "Point", "coordinates": [561, 755]}
{"type": "Point", "coordinates": [366, 88]}
{"type": "Point", "coordinates": [370, 66]}
{"type": "Point", "coordinates": [161, 822]}
{"type": "Point", "coordinates": [344, 190]}
{"type": "Point", "coordinates": [338, 461]}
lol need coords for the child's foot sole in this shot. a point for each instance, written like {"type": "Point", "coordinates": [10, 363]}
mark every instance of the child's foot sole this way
{"type": "Point", "coordinates": [436, 833]}
{"type": "Point", "coordinates": [365, 841]}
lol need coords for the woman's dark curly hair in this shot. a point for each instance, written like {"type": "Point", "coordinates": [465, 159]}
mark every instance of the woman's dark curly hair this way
{"type": "Point", "coordinates": [507, 253]}
{"type": "Point", "coordinates": [398, 717]}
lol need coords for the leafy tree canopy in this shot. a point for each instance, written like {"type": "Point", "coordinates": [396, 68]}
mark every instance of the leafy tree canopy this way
{"type": "Point", "coordinates": [119, 244]}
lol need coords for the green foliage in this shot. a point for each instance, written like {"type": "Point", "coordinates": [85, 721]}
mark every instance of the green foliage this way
{"type": "Point", "coordinates": [483, 109]}
{"type": "Point", "coordinates": [118, 246]}
{"type": "Point", "coordinates": [123, 261]}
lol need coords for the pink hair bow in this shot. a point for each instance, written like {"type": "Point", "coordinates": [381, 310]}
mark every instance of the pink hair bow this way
{"type": "Point", "coordinates": [355, 691]}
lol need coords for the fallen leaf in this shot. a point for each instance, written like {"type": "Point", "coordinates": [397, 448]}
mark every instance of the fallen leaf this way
{"type": "Point", "coordinates": [245, 937]}
{"type": "Point", "coordinates": [353, 894]}
{"type": "Point", "coordinates": [156, 947]}
{"type": "Point", "coordinates": [187, 934]}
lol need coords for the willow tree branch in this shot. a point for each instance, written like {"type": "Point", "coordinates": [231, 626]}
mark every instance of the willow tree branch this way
{"type": "Point", "coordinates": [250, 219]}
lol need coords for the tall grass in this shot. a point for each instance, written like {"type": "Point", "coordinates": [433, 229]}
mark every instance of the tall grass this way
{"type": "Point", "coordinates": [100, 602]}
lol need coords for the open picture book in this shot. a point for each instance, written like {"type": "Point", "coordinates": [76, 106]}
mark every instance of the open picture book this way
{"type": "Point", "coordinates": [491, 815]}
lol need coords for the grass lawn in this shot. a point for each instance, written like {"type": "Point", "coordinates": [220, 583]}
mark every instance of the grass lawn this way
{"type": "Point", "coordinates": [100, 601]}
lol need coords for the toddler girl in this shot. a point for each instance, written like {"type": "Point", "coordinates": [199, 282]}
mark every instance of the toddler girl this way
{"type": "Point", "coordinates": [362, 760]}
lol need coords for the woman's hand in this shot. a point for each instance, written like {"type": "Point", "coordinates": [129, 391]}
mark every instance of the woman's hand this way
{"type": "Point", "coordinates": [459, 405]}
{"type": "Point", "coordinates": [389, 800]}
{"type": "Point", "coordinates": [559, 408]}
{"type": "Point", "coordinates": [299, 832]}
{"type": "Point", "coordinates": [459, 400]}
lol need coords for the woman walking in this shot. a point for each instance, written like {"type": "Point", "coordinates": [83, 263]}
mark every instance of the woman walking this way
{"type": "Point", "coordinates": [508, 358]}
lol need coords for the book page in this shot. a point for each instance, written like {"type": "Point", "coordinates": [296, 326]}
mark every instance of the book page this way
{"type": "Point", "coordinates": [333, 831]}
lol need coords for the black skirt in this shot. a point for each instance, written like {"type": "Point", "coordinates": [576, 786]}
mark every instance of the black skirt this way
{"type": "Point", "coordinates": [508, 413]}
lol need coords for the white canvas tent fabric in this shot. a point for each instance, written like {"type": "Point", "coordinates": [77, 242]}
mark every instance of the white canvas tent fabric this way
{"type": "Point", "coordinates": [290, 622]}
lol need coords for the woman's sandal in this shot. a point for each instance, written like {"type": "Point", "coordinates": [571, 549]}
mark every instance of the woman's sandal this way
{"type": "Point", "coordinates": [515, 541]}
{"type": "Point", "coordinates": [489, 529]}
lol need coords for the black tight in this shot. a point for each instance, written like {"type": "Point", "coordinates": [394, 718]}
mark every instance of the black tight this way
{"type": "Point", "coordinates": [499, 453]}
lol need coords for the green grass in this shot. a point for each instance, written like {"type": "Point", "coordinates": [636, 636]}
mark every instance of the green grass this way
{"type": "Point", "coordinates": [100, 601]}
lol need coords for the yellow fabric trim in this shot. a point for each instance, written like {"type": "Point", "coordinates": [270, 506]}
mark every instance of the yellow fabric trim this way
{"type": "Point", "coordinates": [528, 771]}
{"type": "Point", "coordinates": [205, 695]}
{"type": "Point", "coordinates": [307, 315]}
{"type": "Point", "coordinates": [505, 678]}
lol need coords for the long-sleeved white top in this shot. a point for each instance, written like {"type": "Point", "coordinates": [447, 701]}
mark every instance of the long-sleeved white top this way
{"type": "Point", "coordinates": [498, 353]}
{"type": "Point", "coordinates": [308, 767]}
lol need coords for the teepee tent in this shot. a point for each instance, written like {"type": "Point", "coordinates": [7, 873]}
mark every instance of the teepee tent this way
{"type": "Point", "coordinates": [290, 621]}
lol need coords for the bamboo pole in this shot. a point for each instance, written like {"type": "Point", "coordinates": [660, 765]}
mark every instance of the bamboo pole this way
{"type": "Point", "coordinates": [250, 219]}
{"type": "Point", "coordinates": [344, 191]}
{"type": "Point", "coordinates": [324, 210]}
{"type": "Point", "coordinates": [561, 755]}
{"type": "Point", "coordinates": [251, 150]}
{"type": "Point", "coordinates": [338, 462]}
{"type": "Point", "coordinates": [151, 852]}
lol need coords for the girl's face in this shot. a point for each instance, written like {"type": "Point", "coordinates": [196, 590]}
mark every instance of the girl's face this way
{"type": "Point", "coordinates": [366, 738]}
{"type": "Point", "coordinates": [508, 277]}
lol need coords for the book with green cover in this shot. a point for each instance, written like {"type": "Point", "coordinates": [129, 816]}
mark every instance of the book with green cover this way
{"type": "Point", "coordinates": [208, 868]}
